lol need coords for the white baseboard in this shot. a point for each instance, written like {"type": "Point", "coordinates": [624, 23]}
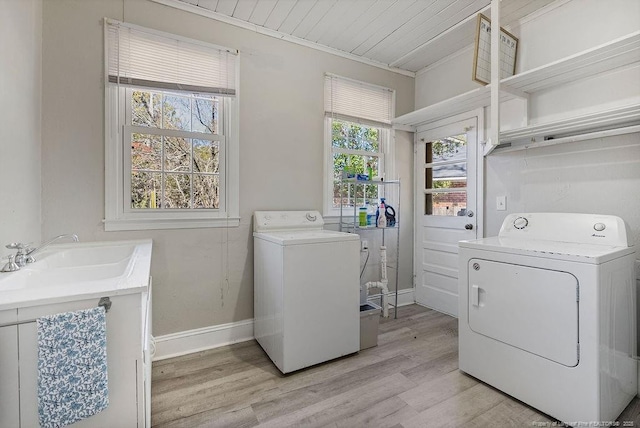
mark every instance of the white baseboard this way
{"type": "Point", "coordinates": [201, 339]}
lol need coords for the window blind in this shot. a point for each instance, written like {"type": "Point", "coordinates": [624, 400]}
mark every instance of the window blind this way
{"type": "Point", "coordinates": [357, 101]}
{"type": "Point", "coordinates": [141, 57]}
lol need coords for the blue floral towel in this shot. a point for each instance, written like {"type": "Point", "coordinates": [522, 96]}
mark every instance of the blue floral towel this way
{"type": "Point", "coordinates": [72, 367]}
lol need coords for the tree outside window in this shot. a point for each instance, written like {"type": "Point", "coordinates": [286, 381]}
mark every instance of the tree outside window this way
{"type": "Point", "coordinates": [175, 162]}
{"type": "Point", "coordinates": [355, 148]}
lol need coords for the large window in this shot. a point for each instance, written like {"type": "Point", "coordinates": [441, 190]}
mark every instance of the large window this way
{"type": "Point", "coordinates": [171, 140]}
{"type": "Point", "coordinates": [175, 150]}
{"type": "Point", "coordinates": [358, 117]}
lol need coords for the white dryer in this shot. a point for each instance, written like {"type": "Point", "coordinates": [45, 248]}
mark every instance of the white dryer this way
{"type": "Point", "coordinates": [306, 289]}
{"type": "Point", "coordinates": [547, 314]}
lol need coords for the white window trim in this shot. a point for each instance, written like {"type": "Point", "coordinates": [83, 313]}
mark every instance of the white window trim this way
{"type": "Point", "coordinates": [347, 110]}
{"type": "Point", "coordinates": [386, 154]}
{"type": "Point", "coordinates": [117, 215]}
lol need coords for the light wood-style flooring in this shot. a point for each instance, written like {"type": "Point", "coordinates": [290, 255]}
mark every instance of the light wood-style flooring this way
{"type": "Point", "coordinates": [411, 379]}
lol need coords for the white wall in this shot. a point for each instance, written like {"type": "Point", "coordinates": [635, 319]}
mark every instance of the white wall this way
{"type": "Point", "coordinates": [20, 86]}
{"type": "Point", "coordinates": [202, 277]}
{"type": "Point", "coordinates": [600, 176]}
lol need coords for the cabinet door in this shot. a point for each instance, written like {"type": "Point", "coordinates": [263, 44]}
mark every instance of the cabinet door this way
{"type": "Point", "coordinates": [28, 375]}
{"type": "Point", "coordinates": [9, 390]}
{"type": "Point", "coordinates": [124, 354]}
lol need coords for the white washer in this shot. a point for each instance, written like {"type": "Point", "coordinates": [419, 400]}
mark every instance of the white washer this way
{"type": "Point", "coordinates": [547, 314]}
{"type": "Point", "coordinates": [306, 289]}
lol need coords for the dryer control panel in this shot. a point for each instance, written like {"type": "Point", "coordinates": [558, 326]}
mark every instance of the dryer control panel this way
{"type": "Point", "coordinates": [568, 227]}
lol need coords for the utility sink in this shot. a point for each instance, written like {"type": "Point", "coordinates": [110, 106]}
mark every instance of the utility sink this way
{"type": "Point", "coordinates": [77, 271]}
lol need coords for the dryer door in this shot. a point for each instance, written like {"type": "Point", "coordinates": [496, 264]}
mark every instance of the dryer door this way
{"type": "Point", "coordinates": [530, 308]}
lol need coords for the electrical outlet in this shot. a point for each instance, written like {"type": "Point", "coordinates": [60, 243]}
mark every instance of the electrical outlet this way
{"type": "Point", "coordinates": [501, 203]}
{"type": "Point", "coordinates": [364, 245]}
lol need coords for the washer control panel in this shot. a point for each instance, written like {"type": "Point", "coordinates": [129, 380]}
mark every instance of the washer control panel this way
{"type": "Point", "coordinates": [286, 220]}
{"type": "Point", "coordinates": [568, 227]}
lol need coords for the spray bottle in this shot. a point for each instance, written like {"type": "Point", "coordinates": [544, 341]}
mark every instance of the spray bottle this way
{"type": "Point", "coordinates": [381, 218]}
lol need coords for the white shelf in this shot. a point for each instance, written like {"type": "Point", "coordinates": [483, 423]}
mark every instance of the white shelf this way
{"type": "Point", "coordinates": [623, 120]}
{"type": "Point", "coordinates": [606, 57]}
{"type": "Point", "coordinates": [609, 56]}
{"type": "Point", "coordinates": [462, 103]}
{"type": "Point", "coordinates": [629, 115]}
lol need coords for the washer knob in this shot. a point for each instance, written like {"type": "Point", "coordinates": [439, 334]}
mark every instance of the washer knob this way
{"type": "Point", "coordinates": [599, 227]}
{"type": "Point", "coordinates": [520, 223]}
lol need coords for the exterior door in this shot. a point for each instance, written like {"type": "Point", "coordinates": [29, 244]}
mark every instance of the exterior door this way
{"type": "Point", "coordinates": [445, 201]}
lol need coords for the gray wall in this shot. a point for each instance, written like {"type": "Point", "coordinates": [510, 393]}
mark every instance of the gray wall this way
{"type": "Point", "coordinates": [202, 277]}
{"type": "Point", "coordinates": [20, 86]}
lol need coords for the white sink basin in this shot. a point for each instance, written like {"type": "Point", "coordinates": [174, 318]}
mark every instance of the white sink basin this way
{"type": "Point", "coordinates": [79, 255]}
{"type": "Point", "coordinates": [80, 270]}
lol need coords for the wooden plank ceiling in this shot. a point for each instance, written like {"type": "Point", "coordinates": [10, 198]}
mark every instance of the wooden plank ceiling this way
{"type": "Point", "coordinates": [404, 34]}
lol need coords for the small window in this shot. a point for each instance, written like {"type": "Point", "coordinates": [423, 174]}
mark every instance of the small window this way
{"type": "Point", "coordinates": [356, 147]}
{"type": "Point", "coordinates": [358, 117]}
{"type": "Point", "coordinates": [172, 149]}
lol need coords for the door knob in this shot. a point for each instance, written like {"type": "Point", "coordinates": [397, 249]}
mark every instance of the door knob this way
{"type": "Point", "coordinates": [468, 226]}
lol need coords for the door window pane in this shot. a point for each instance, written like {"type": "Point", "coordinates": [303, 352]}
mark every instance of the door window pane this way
{"type": "Point", "coordinates": [446, 203]}
{"type": "Point", "coordinates": [449, 176]}
{"type": "Point", "coordinates": [446, 169]}
{"type": "Point", "coordinates": [447, 149]}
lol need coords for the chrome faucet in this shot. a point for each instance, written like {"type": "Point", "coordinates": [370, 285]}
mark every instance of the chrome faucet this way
{"type": "Point", "coordinates": [25, 253]}
{"type": "Point", "coordinates": [28, 255]}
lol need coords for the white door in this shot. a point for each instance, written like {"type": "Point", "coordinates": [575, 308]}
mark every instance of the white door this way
{"type": "Point", "coordinates": [446, 209]}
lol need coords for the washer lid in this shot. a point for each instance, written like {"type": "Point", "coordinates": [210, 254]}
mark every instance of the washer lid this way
{"type": "Point", "coordinates": [571, 251]}
{"type": "Point", "coordinates": [299, 237]}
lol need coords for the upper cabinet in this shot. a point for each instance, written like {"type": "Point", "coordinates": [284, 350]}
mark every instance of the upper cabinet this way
{"type": "Point", "coordinates": [622, 53]}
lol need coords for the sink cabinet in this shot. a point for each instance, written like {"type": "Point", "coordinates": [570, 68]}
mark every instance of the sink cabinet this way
{"type": "Point", "coordinates": [128, 323]}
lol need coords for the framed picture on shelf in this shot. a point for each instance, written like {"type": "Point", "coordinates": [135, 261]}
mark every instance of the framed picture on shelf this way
{"type": "Point", "coordinates": [482, 53]}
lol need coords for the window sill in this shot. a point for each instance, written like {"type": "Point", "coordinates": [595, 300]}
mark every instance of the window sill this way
{"type": "Point", "coordinates": [114, 225]}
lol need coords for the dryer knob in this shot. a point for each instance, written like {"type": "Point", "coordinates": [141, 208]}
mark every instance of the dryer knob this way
{"type": "Point", "coordinates": [520, 223]}
{"type": "Point", "coordinates": [599, 227]}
